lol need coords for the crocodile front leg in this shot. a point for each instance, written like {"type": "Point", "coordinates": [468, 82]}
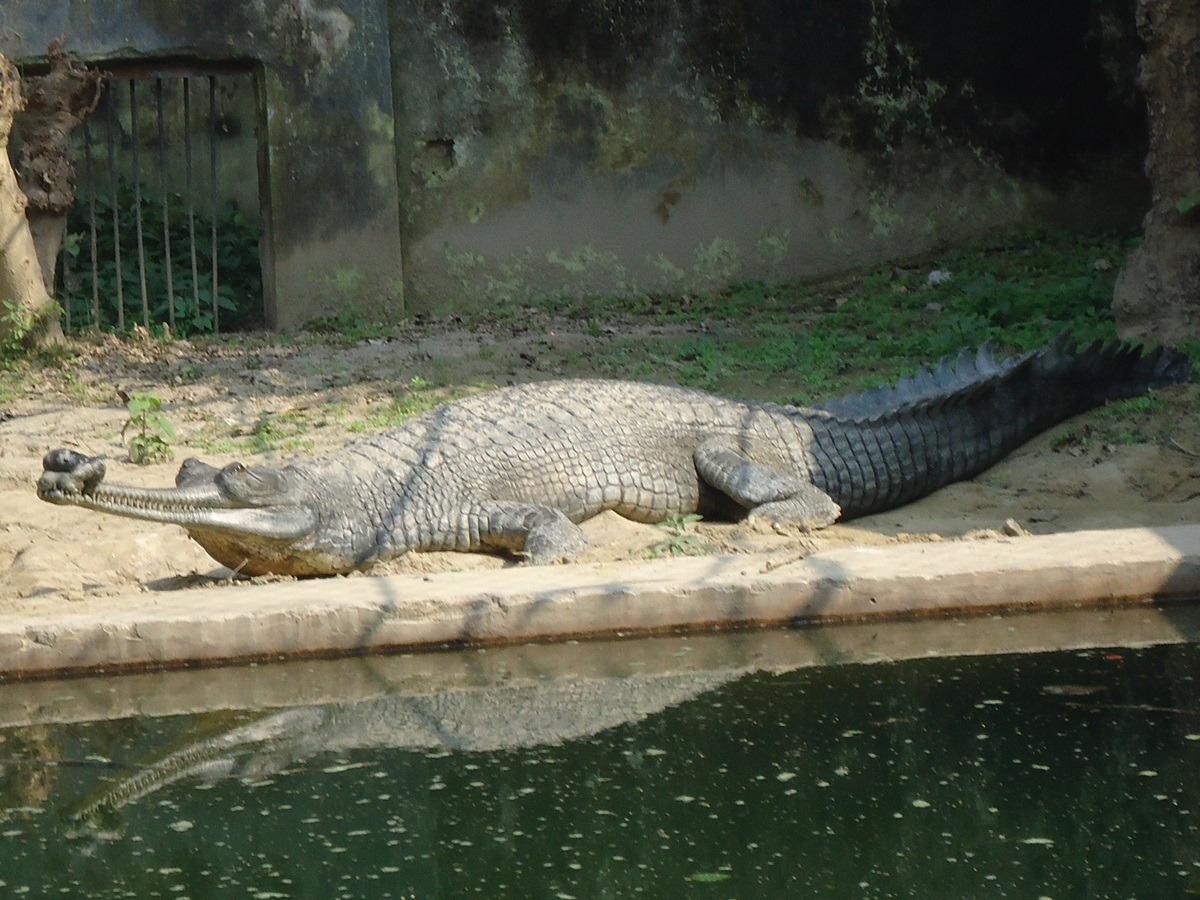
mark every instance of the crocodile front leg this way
{"type": "Point", "coordinates": [766, 493]}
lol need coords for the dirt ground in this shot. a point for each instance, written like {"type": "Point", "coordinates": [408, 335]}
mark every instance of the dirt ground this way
{"type": "Point", "coordinates": [301, 398]}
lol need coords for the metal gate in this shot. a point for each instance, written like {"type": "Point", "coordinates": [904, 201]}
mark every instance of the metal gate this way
{"type": "Point", "coordinates": [164, 231]}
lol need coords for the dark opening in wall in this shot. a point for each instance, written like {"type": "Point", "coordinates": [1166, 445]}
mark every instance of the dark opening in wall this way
{"type": "Point", "coordinates": [169, 212]}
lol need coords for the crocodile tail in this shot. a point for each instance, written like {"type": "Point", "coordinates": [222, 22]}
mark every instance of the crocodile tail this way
{"type": "Point", "coordinates": [1107, 370]}
{"type": "Point", "coordinates": [1064, 379]}
{"type": "Point", "coordinates": [880, 448]}
{"type": "Point", "coordinates": [1113, 370]}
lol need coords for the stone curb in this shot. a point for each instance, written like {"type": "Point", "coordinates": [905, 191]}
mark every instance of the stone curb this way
{"type": "Point", "coordinates": [352, 615]}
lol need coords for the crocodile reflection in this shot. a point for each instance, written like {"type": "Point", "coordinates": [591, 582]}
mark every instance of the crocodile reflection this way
{"type": "Point", "coordinates": [490, 718]}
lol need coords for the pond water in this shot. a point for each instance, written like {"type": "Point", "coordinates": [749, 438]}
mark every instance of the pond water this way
{"type": "Point", "coordinates": [772, 764]}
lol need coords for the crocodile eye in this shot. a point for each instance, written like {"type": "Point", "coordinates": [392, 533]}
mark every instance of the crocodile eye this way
{"type": "Point", "coordinates": [249, 483]}
{"type": "Point", "coordinates": [238, 478]}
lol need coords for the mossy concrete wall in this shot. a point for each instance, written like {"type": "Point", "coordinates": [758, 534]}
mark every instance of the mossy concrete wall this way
{"type": "Point", "coordinates": [617, 145]}
{"type": "Point", "coordinates": [521, 149]}
{"type": "Point", "coordinates": [331, 200]}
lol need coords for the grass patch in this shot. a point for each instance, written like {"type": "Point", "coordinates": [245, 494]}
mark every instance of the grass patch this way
{"type": "Point", "coordinates": [798, 342]}
{"type": "Point", "coordinates": [416, 397]}
{"type": "Point", "coordinates": [347, 327]}
{"type": "Point", "coordinates": [1120, 423]}
{"type": "Point", "coordinates": [285, 430]}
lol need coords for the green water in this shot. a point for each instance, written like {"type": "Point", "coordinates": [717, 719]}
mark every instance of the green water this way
{"type": "Point", "coordinates": [698, 769]}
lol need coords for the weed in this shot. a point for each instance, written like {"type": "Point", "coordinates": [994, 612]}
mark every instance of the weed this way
{"type": "Point", "coordinates": [267, 432]}
{"type": "Point", "coordinates": [679, 541]}
{"type": "Point", "coordinates": [1191, 346]}
{"type": "Point", "coordinates": [190, 372]}
{"type": "Point", "coordinates": [347, 324]}
{"type": "Point", "coordinates": [151, 444]}
{"type": "Point", "coordinates": [772, 247]}
{"type": "Point", "coordinates": [1119, 423]}
{"type": "Point", "coordinates": [283, 430]}
{"type": "Point", "coordinates": [419, 396]}
{"type": "Point", "coordinates": [1125, 421]}
{"type": "Point", "coordinates": [16, 325]}
{"type": "Point", "coordinates": [462, 265]}
{"type": "Point", "coordinates": [10, 384]}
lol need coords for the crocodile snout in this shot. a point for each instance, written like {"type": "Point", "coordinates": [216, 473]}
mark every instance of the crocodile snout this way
{"type": "Point", "coordinates": [67, 472]}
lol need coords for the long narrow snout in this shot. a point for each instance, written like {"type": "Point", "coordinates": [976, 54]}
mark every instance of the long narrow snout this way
{"type": "Point", "coordinates": [70, 478]}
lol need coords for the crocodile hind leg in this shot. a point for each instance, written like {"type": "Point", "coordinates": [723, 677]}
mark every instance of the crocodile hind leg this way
{"type": "Point", "coordinates": [766, 493]}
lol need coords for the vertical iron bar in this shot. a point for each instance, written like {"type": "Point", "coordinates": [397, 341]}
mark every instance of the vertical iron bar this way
{"type": "Point", "coordinates": [110, 122]}
{"type": "Point", "coordinates": [212, 153]}
{"type": "Point", "coordinates": [65, 263]}
{"type": "Point", "coordinates": [137, 202]}
{"type": "Point", "coordinates": [90, 171]}
{"type": "Point", "coordinates": [162, 186]}
{"type": "Point", "coordinates": [191, 206]}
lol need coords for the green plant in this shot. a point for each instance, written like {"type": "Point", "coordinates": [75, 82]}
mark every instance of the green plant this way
{"type": "Point", "coordinates": [1121, 422]}
{"type": "Point", "coordinates": [419, 395]}
{"type": "Point", "coordinates": [16, 325]}
{"type": "Point", "coordinates": [679, 541]}
{"type": "Point", "coordinates": [1188, 202]}
{"type": "Point", "coordinates": [266, 434]}
{"type": "Point", "coordinates": [154, 430]}
{"type": "Point", "coordinates": [239, 273]}
{"type": "Point", "coordinates": [347, 324]}
{"type": "Point", "coordinates": [190, 372]}
{"type": "Point", "coordinates": [282, 430]}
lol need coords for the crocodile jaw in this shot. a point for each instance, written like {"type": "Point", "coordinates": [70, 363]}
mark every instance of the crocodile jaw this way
{"type": "Point", "coordinates": [255, 539]}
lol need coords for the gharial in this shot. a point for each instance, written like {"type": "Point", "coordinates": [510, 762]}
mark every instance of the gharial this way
{"type": "Point", "coordinates": [517, 468]}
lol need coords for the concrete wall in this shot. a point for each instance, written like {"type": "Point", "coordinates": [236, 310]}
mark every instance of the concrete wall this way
{"type": "Point", "coordinates": [519, 149]}
{"type": "Point", "coordinates": [617, 145]}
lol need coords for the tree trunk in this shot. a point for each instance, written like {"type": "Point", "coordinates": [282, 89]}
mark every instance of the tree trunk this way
{"type": "Point", "coordinates": [1157, 295]}
{"type": "Point", "coordinates": [28, 310]}
{"type": "Point", "coordinates": [55, 105]}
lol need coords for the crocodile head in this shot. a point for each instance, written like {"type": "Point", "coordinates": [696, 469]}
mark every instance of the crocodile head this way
{"type": "Point", "coordinates": [253, 519]}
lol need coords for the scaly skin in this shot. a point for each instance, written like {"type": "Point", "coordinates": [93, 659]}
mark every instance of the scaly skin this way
{"type": "Point", "coordinates": [516, 469]}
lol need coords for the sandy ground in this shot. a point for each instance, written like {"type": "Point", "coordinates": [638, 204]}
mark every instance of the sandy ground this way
{"type": "Point", "coordinates": [1085, 474]}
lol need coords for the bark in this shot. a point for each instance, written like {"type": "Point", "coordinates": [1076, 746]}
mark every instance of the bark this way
{"type": "Point", "coordinates": [55, 105]}
{"type": "Point", "coordinates": [1157, 295]}
{"type": "Point", "coordinates": [28, 310]}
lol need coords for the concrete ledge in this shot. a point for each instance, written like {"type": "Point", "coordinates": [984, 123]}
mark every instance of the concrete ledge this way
{"type": "Point", "coordinates": [710, 658]}
{"type": "Point", "coordinates": [353, 615]}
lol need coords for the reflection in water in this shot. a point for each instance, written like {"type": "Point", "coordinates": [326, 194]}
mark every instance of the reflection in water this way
{"type": "Point", "coordinates": [709, 766]}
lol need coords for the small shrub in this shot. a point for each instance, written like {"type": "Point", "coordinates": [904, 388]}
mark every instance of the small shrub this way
{"type": "Point", "coordinates": [679, 541]}
{"type": "Point", "coordinates": [16, 325]}
{"type": "Point", "coordinates": [151, 444]}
